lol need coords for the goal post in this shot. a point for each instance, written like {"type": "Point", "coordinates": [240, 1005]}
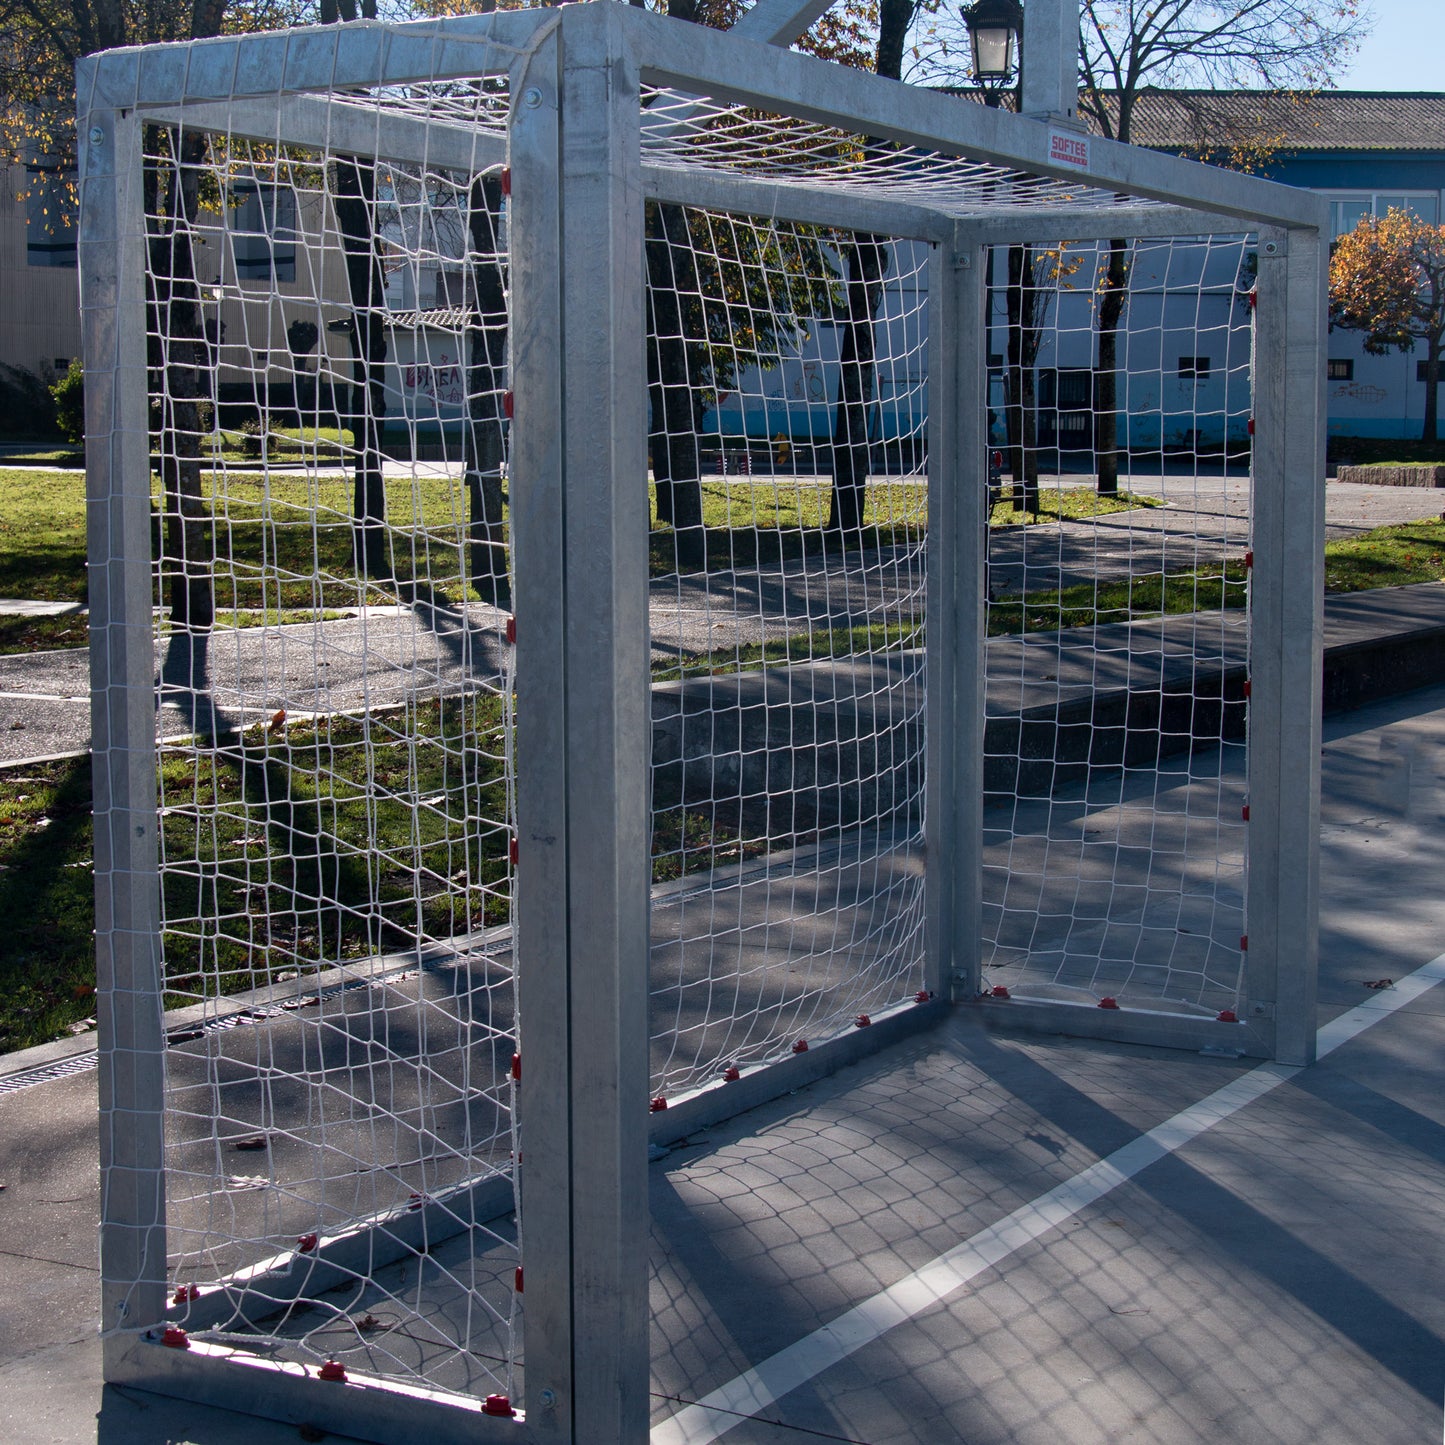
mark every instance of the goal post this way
{"type": "Point", "coordinates": [796, 720]}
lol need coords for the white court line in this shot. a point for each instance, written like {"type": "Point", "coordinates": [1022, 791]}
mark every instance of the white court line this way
{"type": "Point", "coordinates": [765, 1384]}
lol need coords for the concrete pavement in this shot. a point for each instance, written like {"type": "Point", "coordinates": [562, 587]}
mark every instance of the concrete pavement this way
{"type": "Point", "coordinates": [1277, 1278]}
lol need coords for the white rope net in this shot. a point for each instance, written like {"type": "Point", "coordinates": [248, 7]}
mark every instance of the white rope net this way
{"type": "Point", "coordinates": [326, 334]}
{"type": "Point", "coordinates": [787, 372]}
{"type": "Point", "coordinates": [327, 341]}
{"type": "Point", "coordinates": [1118, 628]}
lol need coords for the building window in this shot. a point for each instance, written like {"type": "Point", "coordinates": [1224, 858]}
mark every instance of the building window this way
{"type": "Point", "coordinates": [1348, 210]}
{"type": "Point", "coordinates": [1420, 371]}
{"type": "Point", "coordinates": [1340, 370]}
{"type": "Point", "coordinates": [263, 231]}
{"type": "Point", "coordinates": [50, 214]}
{"type": "Point", "coordinates": [1194, 366]}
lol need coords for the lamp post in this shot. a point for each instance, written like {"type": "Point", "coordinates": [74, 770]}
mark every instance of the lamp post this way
{"type": "Point", "coordinates": [995, 28]}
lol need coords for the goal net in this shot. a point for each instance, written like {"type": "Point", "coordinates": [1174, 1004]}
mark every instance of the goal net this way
{"type": "Point", "coordinates": [1117, 659]}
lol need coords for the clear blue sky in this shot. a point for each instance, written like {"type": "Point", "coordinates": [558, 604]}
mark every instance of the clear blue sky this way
{"type": "Point", "coordinates": [1405, 51]}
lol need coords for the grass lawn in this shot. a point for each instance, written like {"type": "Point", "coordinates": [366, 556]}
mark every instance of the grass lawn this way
{"type": "Point", "coordinates": [282, 859]}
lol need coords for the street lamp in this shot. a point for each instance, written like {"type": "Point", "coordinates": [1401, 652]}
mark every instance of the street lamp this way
{"type": "Point", "coordinates": [994, 28]}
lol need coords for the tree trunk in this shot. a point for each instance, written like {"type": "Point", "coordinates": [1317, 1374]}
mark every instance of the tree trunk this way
{"type": "Point", "coordinates": [487, 342]}
{"type": "Point", "coordinates": [672, 366]}
{"type": "Point", "coordinates": [1023, 301]}
{"type": "Point", "coordinates": [1106, 378]}
{"type": "Point", "coordinates": [866, 262]}
{"type": "Point", "coordinates": [355, 218]}
{"type": "Point", "coordinates": [184, 365]}
{"type": "Point", "coordinates": [1432, 389]}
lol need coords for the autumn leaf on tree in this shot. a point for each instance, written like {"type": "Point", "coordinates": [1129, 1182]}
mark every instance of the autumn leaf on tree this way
{"type": "Point", "coordinates": [1387, 280]}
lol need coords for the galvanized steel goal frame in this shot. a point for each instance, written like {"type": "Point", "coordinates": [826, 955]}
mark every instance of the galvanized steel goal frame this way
{"type": "Point", "coordinates": [579, 180]}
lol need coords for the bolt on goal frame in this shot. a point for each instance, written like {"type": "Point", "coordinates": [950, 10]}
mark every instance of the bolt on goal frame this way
{"type": "Point", "coordinates": [595, 111]}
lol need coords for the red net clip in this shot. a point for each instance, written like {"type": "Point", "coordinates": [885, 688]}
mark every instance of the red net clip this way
{"type": "Point", "coordinates": [801, 1047]}
{"type": "Point", "coordinates": [507, 404]}
{"type": "Point", "coordinates": [497, 1405]}
{"type": "Point", "coordinates": [306, 1243]}
{"type": "Point", "coordinates": [862, 1021]}
{"type": "Point", "coordinates": [1244, 812]}
{"type": "Point", "coordinates": [332, 1370]}
{"type": "Point", "coordinates": [1226, 1016]}
{"type": "Point", "coordinates": [1244, 943]}
{"type": "Point", "coordinates": [506, 180]}
{"type": "Point", "coordinates": [185, 1294]}
{"type": "Point", "coordinates": [1108, 1002]}
{"type": "Point", "coordinates": [514, 851]}
{"type": "Point", "coordinates": [1249, 426]}
{"type": "Point", "coordinates": [1248, 687]}
{"type": "Point", "coordinates": [173, 1337]}
{"type": "Point", "coordinates": [658, 1104]}
{"type": "Point", "coordinates": [999, 991]}
{"type": "Point", "coordinates": [517, 1280]}
{"type": "Point", "coordinates": [1249, 559]}
{"type": "Point", "coordinates": [517, 1067]}
{"type": "Point", "coordinates": [922, 996]}
{"type": "Point", "coordinates": [416, 1200]}
{"type": "Point", "coordinates": [732, 1074]}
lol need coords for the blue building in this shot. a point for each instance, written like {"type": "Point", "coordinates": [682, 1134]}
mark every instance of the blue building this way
{"type": "Point", "coordinates": [1185, 342]}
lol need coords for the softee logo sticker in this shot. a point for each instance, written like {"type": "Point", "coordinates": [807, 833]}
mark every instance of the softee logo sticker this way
{"type": "Point", "coordinates": [1066, 149]}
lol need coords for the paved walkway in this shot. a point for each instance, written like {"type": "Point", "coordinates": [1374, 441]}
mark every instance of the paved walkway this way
{"type": "Point", "coordinates": [1264, 1268]}
{"type": "Point", "coordinates": [374, 657]}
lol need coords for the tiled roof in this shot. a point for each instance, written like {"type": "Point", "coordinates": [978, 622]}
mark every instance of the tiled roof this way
{"type": "Point", "coordinates": [1326, 120]}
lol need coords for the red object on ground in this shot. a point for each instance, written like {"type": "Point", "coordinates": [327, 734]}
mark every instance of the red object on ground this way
{"type": "Point", "coordinates": [999, 991]}
{"type": "Point", "coordinates": [306, 1243]}
{"type": "Point", "coordinates": [801, 1047]}
{"type": "Point", "coordinates": [517, 1067]}
{"type": "Point", "coordinates": [497, 1405]}
{"type": "Point", "coordinates": [1226, 1016]}
{"type": "Point", "coordinates": [332, 1370]}
{"type": "Point", "coordinates": [175, 1338]}
{"type": "Point", "coordinates": [1108, 1003]}
{"type": "Point", "coordinates": [517, 1282]}
{"type": "Point", "coordinates": [659, 1104]}
{"type": "Point", "coordinates": [922, 996]}
{"type": "Point", "coordinates": [862, 1021]}
{"type": "Point", "coordinates": [732, 1074]}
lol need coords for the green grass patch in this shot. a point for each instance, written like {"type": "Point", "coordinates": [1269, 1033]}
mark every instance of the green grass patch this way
{"type": "Point", "coordinates": [1387, 557]}
{"type": "Point", "coordinates": [1064, 504]}
{"type": "Point", "coordinates": [42, 535]}
{"type": "Point", "coordinates": [286, 850]}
